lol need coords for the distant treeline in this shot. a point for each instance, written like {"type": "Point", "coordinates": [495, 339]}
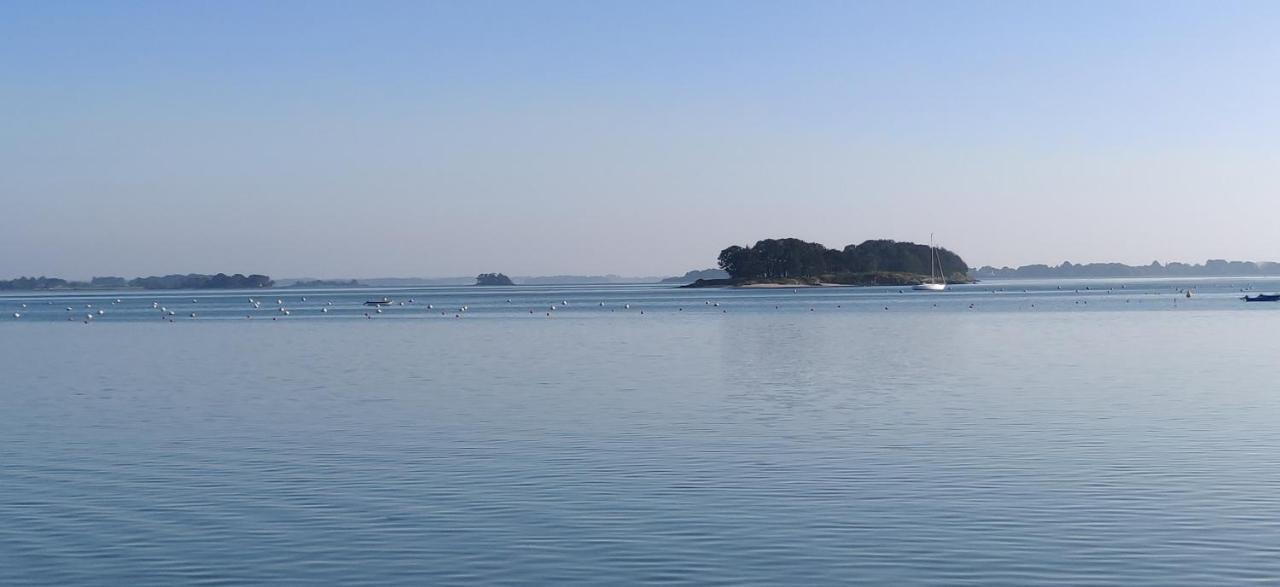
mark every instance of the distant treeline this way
{"type": "Point", "coordinates": [190, 281]}
{"type": "Point", "coordinates": [1211, 268]}
{"type": "Point", "coordinates": [493, 279]}
{"type": "Point", "coordinates": [580, 279]}
{"type": "Point", "coordinates": [325, 283]}
{"type": "Point", "coordinates": [794, 258]}
{"type": "Point", "coordinates": [696, 274]}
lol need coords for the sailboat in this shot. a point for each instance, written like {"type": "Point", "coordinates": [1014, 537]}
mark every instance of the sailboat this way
{"type": "Point", "coordinates": [937, 277]}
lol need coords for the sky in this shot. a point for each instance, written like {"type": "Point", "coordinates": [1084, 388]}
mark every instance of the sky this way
{"type": "Point", "coordinates": [363, 139]}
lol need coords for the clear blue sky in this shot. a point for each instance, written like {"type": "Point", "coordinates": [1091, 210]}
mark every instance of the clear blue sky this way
{"type": "Point", "coordinates": [385, 138]}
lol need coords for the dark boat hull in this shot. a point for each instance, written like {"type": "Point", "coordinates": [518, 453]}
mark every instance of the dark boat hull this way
{"type": "Point", "coordinates": [1263, 298]}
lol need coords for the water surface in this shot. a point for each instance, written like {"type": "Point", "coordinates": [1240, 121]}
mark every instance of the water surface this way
{"type": "Point", "coordinates": [1119, 434]}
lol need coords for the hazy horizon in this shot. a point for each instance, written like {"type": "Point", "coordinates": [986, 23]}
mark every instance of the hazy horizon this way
{"type": "Point", "coordinates": [419, 139]}
{"type": "Point", "coordinates": [515, 275]}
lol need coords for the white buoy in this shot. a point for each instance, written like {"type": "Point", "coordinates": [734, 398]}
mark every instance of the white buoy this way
{"type": "Point", "coordinates": [628, 306]}
{"type": "Point", "coordinates": [101, 312]}
{"type": "Point", "coordinates": [324, 310]}
{"type": "Point", "coordinates": [17, 315]}
{"type": "Point", "coordinates": [193, 314]}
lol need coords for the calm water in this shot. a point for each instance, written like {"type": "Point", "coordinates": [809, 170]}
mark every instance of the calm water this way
{"type": "Point", "coordinates": [1119, 434]}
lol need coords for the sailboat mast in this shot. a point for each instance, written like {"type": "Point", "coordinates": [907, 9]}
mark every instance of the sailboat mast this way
{"type": "Point", "coordinates": [933, 259]}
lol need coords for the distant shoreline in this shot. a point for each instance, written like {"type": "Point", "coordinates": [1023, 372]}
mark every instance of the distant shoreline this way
{"type": "Point", "coordinates": [190, 281]}
{"type": "Point", "coordinates": [1211, 268]}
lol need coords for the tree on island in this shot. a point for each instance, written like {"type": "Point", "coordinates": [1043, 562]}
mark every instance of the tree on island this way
{"type": "Point", "coordinates": [493, 279]}
{"type": "Point", "coordinates": [198, 281]}
{"type": "Point", "coordinates": [33, 283]}
{"type": "Point", "coordinates": [189, 281]}
{"type": "Point", "coordinates": [793, 258]}
{"type": "Point", "coordinates": [1211, 268]}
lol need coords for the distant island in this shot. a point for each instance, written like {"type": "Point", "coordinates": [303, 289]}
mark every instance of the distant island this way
{"type": "Point", "coordinates": [493, 279]}
{"type": "Point", "coordinates": [325, 283]}
{"type": "Point", "coordinates": [1211, 268]}
{"type": "Point", "coordinates": [517, 279]}
{"type": "Point", "coordinates": [581, 279]}
{"type": "Point", "coordinates": [189, 281]}
{"type": "Point", "coordinates": [697, 274]}
{"type": "Point", "coordinates": [791, 261]}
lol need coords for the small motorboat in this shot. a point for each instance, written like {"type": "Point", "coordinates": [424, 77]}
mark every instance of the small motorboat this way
{"type": "Point", "coordinates": [381, 302]}
{"type": "Point", "coordinates": [1262, 298]}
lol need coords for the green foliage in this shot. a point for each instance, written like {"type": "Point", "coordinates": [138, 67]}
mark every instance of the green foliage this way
{"type": "Point", "coordinates": [197, 281]}
{"type": "Point", "coordinates": [493, 279]}
{"type": "Point", "coordinates": [190, 281]}
{"type": "Point", "coordinates": [794, 258]}
{"type": "Point", "coordinates": [109, 282]}
{"type": "Point", "coordinates": [28, 283]}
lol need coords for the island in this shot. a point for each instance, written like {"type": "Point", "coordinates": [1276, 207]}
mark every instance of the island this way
{"type": "Point", "coordinates": [794, 262]}
{"type": "Point", "coordinates": [493, 279]}
{"type": "Point", "coordinates": [1210, 268]}
{"type": "Point", "coordinates": [325, 283]}
{"type": "Point", "coordinates": [188, 281]}
{"type": "Point", "coordinates": [696, 274]}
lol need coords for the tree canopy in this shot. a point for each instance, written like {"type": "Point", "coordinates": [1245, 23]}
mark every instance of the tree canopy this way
{"type": "Point", "coordinates": [189, 281]}
{"type": "Point", "coordinates": [493, 279]}
{"type": "Point", "coordinates": [1211, 268]}
{"type": "Point", "coordinates": [790, 258]}
{"type": "Point", "coordinates": [198, 281]}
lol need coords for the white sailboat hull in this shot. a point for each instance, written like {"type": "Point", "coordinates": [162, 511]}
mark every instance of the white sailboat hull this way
{"type": "Point", "coordinates": [937, 276]}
